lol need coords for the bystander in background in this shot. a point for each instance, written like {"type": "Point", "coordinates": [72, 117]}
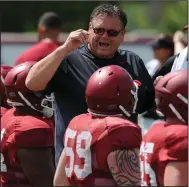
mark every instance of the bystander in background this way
{"type": "Point", "coordinates": [163, 48]}
{"type": "Point", "coordinates": [49, 29]}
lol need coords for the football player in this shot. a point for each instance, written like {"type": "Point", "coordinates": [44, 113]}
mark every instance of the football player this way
{"type": "Point", "coordinates": [3, 100]}
{"type": "Point", "coordinates": [102, 146]}
{"type": "Point", "coordinates": [164, 149]}
{"type": "Point", "coordinates": [27, 134]}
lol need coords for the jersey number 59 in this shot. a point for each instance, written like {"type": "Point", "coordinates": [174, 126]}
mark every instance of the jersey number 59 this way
{"type": "Point", "coordinates": [81, 152]}
{"type": "Point", "coordinates": [148, 176]}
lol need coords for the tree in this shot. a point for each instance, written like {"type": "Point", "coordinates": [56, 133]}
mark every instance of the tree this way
{"type": "Point", "coordinates": [164, 16]}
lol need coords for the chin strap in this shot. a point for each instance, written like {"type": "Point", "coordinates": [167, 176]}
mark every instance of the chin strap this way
{"type": "Point", "coordinates": [124, 111]}
{"type": "Point", "coordinates": [102, 115]}
{"type": "Point", "coordinates": [47, 111]}
{"type": "Point", "coordinates": [2, 79]}
{"type": "Point", "coordinates": [175, 111]}
{"type": "Point", "coordinates": [182, 98]}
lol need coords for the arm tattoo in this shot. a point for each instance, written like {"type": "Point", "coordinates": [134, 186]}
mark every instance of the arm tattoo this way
{"type": "Point", "coordinates": [124, 166]}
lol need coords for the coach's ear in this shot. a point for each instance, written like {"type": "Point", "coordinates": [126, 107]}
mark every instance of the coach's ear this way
{"type": "Point", "coordinates": [60, 178]}
{"type": "Point", "coordinates": [38, 165]}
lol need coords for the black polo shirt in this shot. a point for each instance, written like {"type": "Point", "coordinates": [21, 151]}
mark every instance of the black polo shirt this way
{"type": "Point", "coordinates": [69, 82]}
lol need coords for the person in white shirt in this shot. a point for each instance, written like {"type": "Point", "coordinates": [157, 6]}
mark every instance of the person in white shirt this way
{"type": "Point", "coordinates": [177, 62]}
{"type": "Point", "coordinates": [152, 66]}
{"type": "Point", "coordinates": [181, 62]}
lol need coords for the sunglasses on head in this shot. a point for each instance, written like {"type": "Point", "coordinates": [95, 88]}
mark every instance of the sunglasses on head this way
{"type": "Point", "coordinates": [110, 32]}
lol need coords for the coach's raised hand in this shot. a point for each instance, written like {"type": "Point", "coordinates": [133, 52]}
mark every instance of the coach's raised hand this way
{"type": "Point", "coordinates": [43, 71]}
{"type": "Point", "coordinates": [75, 39]}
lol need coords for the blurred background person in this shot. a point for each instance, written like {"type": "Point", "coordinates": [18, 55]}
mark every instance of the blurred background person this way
{"type": "Point", "coordinates": [163, 48]}
{"type": "Point", "coordinates": [49, 29]}
{"type": "Point", "coordinates": [176, 62]}
{"type": "Point", "coordinates": [157, 69]}
{"type": "Point", "coordinates": [180, 40]}
{"type": "Point", "coordinates": [181, 61]}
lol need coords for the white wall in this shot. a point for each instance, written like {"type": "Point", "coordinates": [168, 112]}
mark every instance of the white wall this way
{"type": "Point", "coordinates": [9, 52]}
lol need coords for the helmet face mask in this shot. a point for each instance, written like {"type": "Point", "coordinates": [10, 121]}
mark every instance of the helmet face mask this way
{"type": "Point", "coordinates": [111, 91]}
{"type": "Point", "coordinates": [47, 104]}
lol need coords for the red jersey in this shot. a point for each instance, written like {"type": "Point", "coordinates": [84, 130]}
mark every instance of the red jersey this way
{"type": "Point", "coordinates": [3, 111]}
{"type": "Point", "coordinates": [88, 142]}
{"type": "Point", "coordinates": [37, 52]}
{"type": "Point", "coordinates": [21, 132]}
{"type": "Point", "coordinates": [162, 143]}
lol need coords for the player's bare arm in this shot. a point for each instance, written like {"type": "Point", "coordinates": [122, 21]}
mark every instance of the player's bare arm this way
{"type": "Point", "coordinates": [124, 166]}
{"type": "Point", "coordinates": [38, 165]}
{"type": "Point", "coordinates": [176, 174]}
{"type": "Point", "coordinates": [60, 178]}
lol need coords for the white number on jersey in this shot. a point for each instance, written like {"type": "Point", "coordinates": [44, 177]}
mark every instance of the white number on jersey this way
{"type": "Point", "coordinates": [145, 150]}
{"type": "Point", "coordinates": [3, 166]}
{"type": "Point", "coordinates": [84, 153]}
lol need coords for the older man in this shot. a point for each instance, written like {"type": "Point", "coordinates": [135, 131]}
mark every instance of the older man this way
{"type": "Point", "coordinates": [67, 70]}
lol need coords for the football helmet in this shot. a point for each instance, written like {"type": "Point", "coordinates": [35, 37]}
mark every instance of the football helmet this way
{"type": "Point", "coordinates": [111, 90]}
{"type": "Point", "coordinates": [4, 70]}
{"type": "Point", "coordinates": [19, 95]}
{"type": "Point", "coordinates": [172, 95]}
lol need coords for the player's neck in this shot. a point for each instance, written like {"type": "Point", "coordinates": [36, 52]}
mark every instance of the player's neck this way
{"type": "Point", "coordinates": [50, 40]}
{"type": "Point", "coordinates": [25, 110]}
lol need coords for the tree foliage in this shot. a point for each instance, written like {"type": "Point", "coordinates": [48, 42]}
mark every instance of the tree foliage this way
{"type": "Point", "coordinates": [23, 16]}
{"type": "Point", "coordinates": [164, 16]}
